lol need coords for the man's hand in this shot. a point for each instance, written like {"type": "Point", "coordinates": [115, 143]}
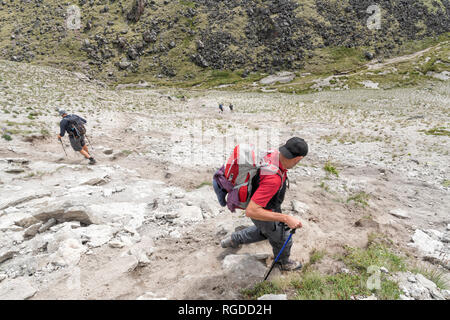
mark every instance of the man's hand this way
{"type": "Point", "coordinates": [59, 137]}
{"type": "Point", "coordinates": [293, 223]}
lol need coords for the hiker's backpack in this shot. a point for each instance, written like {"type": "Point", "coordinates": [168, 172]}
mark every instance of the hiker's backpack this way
{"type": "Point", "coordinates": [240, 169]}
{"type": "Point", "coordinates": [76, 125]}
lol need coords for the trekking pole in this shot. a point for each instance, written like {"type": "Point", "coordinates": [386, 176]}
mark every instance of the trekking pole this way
{"type": "Point", "coordinates": [62, 144]}
{"type": "Point", "coordinates": [279, 254]}
{"type": "Point", "coordinates": [90, 144]}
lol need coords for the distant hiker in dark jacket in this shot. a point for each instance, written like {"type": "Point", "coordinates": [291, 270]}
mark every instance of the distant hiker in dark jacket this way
{"type": "Point", "coordinates": [231, 107]}
{"type": "Point", "coordinates": [220, 108]}
{"type": "Point", "coordinates": [76, 139]}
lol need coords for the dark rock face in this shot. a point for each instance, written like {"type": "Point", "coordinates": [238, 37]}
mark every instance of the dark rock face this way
{"type": "Point", "coordinates": [251, 35]}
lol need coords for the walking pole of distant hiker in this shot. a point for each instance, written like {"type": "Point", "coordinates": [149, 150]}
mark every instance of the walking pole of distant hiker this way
{"type": "Point", "coordinates": [62, 144]}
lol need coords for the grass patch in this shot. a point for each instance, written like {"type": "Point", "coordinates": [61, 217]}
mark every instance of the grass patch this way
{"type": "Point", "coordinates": [433, 274]}
{"type": "Point", "coordinates": [324, 186]}
{"type": "Point", "coordinates": [376, 254]}
{"type": "Point", "coordinates": [260, 289]}
{"type": "Point", "coordinates": [127, 152]}
{"type": "Point", "coordinates": [446, 183]}
{"type": "Point", "coordinates": [6, 136]}
{"type": "Point", "coordinates": [329, 168]}
{"type": "Point", "coordinates": [440, 131]}
{"type": "Point", "coordinates": [204, 183]}
{"type": "Point", "coordinates": [314, 286]}
{"type": "Point", "coordinates": [360, 198]}
{"type": "Point", "coordinates": [309, 284]}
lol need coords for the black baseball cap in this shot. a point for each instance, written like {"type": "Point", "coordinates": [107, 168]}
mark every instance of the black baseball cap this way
{"type": "Point", "coordinates": [294, 147]}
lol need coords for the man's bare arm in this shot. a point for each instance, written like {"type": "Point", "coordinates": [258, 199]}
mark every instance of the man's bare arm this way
{"type": "Point", "coordinates": [255, 211]}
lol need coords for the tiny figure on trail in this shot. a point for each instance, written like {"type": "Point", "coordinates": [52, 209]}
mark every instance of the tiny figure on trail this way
{"type": "Point", "coordinates": [256, 182]}
{"type": "Point", "coordinates": [231, 107]}
{"type": "Point", "coordinates": [220, 108]}
{"type": "Point", "coordinates": [74, 126]}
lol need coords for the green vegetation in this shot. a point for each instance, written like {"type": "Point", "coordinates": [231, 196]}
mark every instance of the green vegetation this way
{"type": "Point", "coordinates": [324, 186]}
{"type": "Point", "coordinates": [360, 198]}
{"type": "Point", "coordinates": [329, 168]}
{"type": "Point", "coordinates": [127, 152]}
{"type": "Point", "coordinates": [311, 285]}
{"type": "Point", "coordinates": [434, 274]}
{"type": "Point", "coordinates": [204, 183]}
{"type": "Point", "coordinates": [440, 131]}
{"type": "Point", "coordinates": [7, 137]}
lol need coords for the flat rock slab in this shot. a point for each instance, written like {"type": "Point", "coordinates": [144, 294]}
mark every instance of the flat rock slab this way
{"type": "Point", "coordinates": [12, 202]}
{"type": "Point", "coordinates": [16, 289]}
{"type": "Point", "coordinates": [64, 211]}
{"type": "Point", "coordinates": [6, 255]}
{"type": "Point", "coordinates": [399, 213]}
{"type": "Point", "coordinates": [424, 243]}
{"type": "Point", "coordinates": [242, 266]}
{"type": "Point", "coordinates": [281, 77]}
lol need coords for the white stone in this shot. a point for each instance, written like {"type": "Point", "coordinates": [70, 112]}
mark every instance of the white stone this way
{"type": "Point", "coordinates": [150, 296]}
{"type": "Point", "coordinates": [384, 270]}
{"type": "Point", "coordinates": [16, 289]}
{"type": "Point", "coordinates": [436, 235]}
{"type": "Point", "coordinates": [425, 243]}
{"type": "Point", "coordinates": [243, 266]}
{"type": "Point", "coordinates": [273, 297]}
{"type": "Point", "coordinates": [372, 297]}
{"type": "Point", "coordinates": [189, 214]}
{"type": "Point", "coordinates": [175, 234]}
{"type": "Point", "coordinates": [97, 235]}
{"type": "Point", "coordinates": [116, 244]}
{"type": "Point", "coordinates": [69, 253]}
{"type": "Point", "coordinates": [299, 207]}
{"type": "Point", "coordinates": [399, 213]}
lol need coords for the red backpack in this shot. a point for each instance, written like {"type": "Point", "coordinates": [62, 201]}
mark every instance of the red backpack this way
{"type": "Point", "coordinates": [243, 165]}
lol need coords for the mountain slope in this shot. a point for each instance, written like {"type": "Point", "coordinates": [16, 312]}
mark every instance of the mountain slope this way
{"type": "Point", "coordinates": [179, 40]}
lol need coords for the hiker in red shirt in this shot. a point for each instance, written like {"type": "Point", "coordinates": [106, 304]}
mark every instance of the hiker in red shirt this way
{"type": "Point", "coordinates": [265, 205]}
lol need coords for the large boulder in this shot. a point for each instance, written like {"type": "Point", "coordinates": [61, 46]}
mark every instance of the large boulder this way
{"type": "Point", "coordinates": [424, 243]}
{"type": "Point", "coordinates": [245, 267]}
{"type": "Point", "coordinates": [69, 253]}
{"type": "Point", "coordinates": [16, 289]}
{"type": "Point", "coordinates": [189, 214]}
{"type": "Point", "coordinates": [64, 211]}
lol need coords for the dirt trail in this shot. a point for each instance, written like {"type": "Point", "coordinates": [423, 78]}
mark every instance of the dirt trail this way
{"type": "Point", "coordinates": [149, 192]}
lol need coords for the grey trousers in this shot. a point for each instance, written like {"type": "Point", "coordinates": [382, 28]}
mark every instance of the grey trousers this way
{"type": "Point", "coordinates": [266, 230]}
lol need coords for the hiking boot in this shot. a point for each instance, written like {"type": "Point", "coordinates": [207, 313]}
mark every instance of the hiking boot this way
{"type": "Point", "coordinates": [290, 265]}
{"type": "Point", "coordinates": [92, 161]}
{"type": "Point", "coordinates": [228, 243]}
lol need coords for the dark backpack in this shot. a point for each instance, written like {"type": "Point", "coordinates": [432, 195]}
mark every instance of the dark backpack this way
{"type": "Point", "coordinates": [76, 126]}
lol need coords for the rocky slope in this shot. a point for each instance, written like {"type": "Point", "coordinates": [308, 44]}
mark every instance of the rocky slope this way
{"type": "Point", "coordinates": [122, 40]}
{"type": "Point", "coordinates": [144, 222]}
